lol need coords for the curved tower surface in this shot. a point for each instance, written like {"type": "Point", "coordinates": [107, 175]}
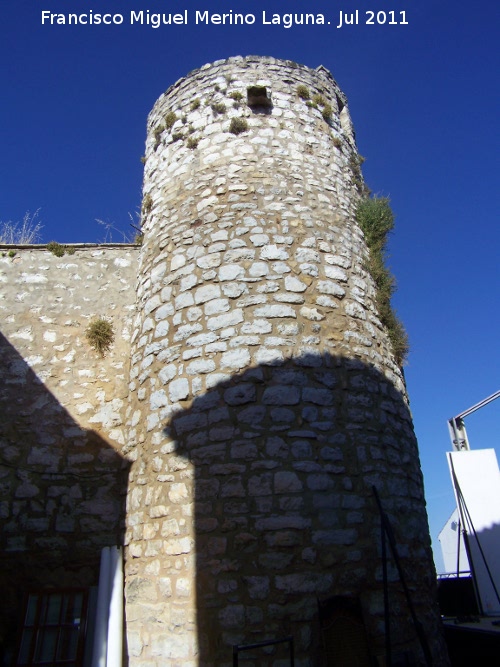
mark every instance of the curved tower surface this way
{"type": "Point", "coordinates": [266, 402]}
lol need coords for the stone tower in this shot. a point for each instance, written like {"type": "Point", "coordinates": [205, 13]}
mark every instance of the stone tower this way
{"type": "Point", "coordinates": [265, 400]}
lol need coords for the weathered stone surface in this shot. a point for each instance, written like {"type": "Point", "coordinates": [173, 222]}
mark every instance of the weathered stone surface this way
{"type": "Point", "coordinates": [207, 293]}
{"type": "Point", "coordinates": [286, 482]}
{"type": "Point", "coordinates": [281, 395]}
{"type": "Point", "coordinates": [225, 320]}
{"type": "Point", "coordinates": [178, 390]}
{"type": "Point", "coordinates": [235, 359]}
{"type": "Point", "coordinates": [250, 389]}
{"type": "Point", "coordinates": [243, 393]}
{"type": "Point", "coordinates": [231, 272]}
{"type": "Point", "coordinates": [294, 284]}
{"type": "Point", "coordinates": [272, 311]}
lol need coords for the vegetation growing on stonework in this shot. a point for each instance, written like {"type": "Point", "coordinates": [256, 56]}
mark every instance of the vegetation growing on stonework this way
{"type": "Point", "coordinates": [237, 97]}
{"type": "Point", "coordinates": [100, 335]}
{"type": "Point", "coordinates": [327, 112]}
{"type": "Point", "coordinates": [60, 250]}
{"type": "Point", "coordinates": [157, 135]}
{"type": "Point", "coordinates": [303, 92]}
{"type": "Point", "coordinates": [238, 125]}
{"type": "Point", "coordinates": [20, 233]}
{"type": "Point", "coordinates": [218, 107]}
{"type": "Point", "coordinates": [170, 119]}
{"type": "Point", "coordinates": [318, 100]}
{"type": "Point", "coordinates": [56, 248]}
{"type": "Point", "coordinates": [192, 142]}
{"type": "Point", "coordinates": [376, 219]}
{"type": "Point", "coordinates": [355, 162]}
{"type": "Point", "coordinates": [147, 204]}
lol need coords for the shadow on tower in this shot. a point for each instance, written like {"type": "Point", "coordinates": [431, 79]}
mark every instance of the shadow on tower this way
{"type": "Point", "coordinates": [285, 458]}
{"type": "Point", "coordinates": [63, 494]}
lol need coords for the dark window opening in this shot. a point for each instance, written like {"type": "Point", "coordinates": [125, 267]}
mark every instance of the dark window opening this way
{"type": "Point", "coordinates": [53, 631]}
{"type": "Point", "coordinates": [258, 96]}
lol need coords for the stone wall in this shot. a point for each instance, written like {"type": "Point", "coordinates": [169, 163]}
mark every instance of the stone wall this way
{"type": "Point", "coordinates": [248, 405]}
{"type": "Point", "coordinates": [265, 402]}
{"type": "Point", "coordinates": [62, 473]}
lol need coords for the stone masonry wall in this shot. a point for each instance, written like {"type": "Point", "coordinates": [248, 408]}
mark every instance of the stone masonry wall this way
{"type": "Point", "coordinates": [233, 434]}
{"type": "Point", "coordinates": [264, 399]}
{"type": "Point", "coordinates": [62, 474]}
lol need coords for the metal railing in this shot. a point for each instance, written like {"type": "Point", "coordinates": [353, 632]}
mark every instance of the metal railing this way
{"type": "Point", "coordinates": [237, 649]}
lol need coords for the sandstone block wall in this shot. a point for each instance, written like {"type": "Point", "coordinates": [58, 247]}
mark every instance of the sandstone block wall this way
{"type": "Point", "coordinates": [232, 435]}
{"type": "Point", "coordinates": [62, 473]}
{"type": "Point", "coordinates": [264, 399]}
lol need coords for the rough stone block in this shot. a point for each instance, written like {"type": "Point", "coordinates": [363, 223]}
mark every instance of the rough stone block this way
{"type": "Point", "coordinates": [286, 482]}
{"type": "Point", "coordinates": [260, 485]}
{"type": "Point", "coordinates": [235, 359]}
{"type": "Point", "coordinates": [329, 287]}
{"type": "Point", "coordinates": [206, 293]}
{"type": "Point", "coordinates": [200, 366]}
{"type": "Point", "coordinates": [231, 272]}
{"type": "Point", "coordinates": [241, 394]}
{"type": "Point", "coordinates": [232, 616]}
{"type": "Point", "coordinates": [275, 310]}
{"type": "Point", "coordinates": [281, 395]}
{"type": "Point", "coordinates": [258, 587]}
{"type": "Point", "coordinates": [225, 320]}
{"type": "Point", "coordinates": [293, 284]}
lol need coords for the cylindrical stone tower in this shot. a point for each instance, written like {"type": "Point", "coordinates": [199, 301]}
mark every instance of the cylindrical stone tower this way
{"type": "Point", "coordinates": [266, 402]}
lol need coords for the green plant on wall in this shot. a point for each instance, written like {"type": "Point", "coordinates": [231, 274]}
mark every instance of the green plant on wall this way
{"type": "Point", "coordinates": [303, 92]}
{"type": "Point", "coordinates": [147, 204]}
{"type": "Point", "coordinates": [170, 119]}
{"type": "Point", "coordinates": [327, 112]}
{"type": "Point", "coordinates": [56, 248]}
{"type": "Point", "coordinates": [192, 142]}
{"type": "Point", "coordinates": [237, 97]}
{"type": "Point", "coordinates": [157, 134]}
{"type": "Point", "coordinates": [376, 219]}
{"type": "Point", "coordinates": [238, 125]}
{"type": "Point", "coordinates": [355, 162]}
{"type": "Point", "coordinates": [100, 335]}
{"type": "Point", "coordinates": [218, 108]}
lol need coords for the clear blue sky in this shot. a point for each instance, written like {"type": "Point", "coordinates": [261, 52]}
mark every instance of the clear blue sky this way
{"type": "Point", "coordinates": [424, 101]}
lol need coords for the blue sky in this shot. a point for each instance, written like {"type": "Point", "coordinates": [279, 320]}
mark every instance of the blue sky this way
{"type": "Point", "coordinates": [424, 101]}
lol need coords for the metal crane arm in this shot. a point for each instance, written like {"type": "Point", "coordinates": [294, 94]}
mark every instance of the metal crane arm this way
{"type": "Point", "coordinates": [456, 426]}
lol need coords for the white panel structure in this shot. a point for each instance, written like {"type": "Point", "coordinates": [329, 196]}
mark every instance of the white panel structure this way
{"type": "Point", "coordinates": [108, 636]}
{"type": "Point", "coordinates": [476, 480]}
{"type": "Point", "coordinates": [452, 545]}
